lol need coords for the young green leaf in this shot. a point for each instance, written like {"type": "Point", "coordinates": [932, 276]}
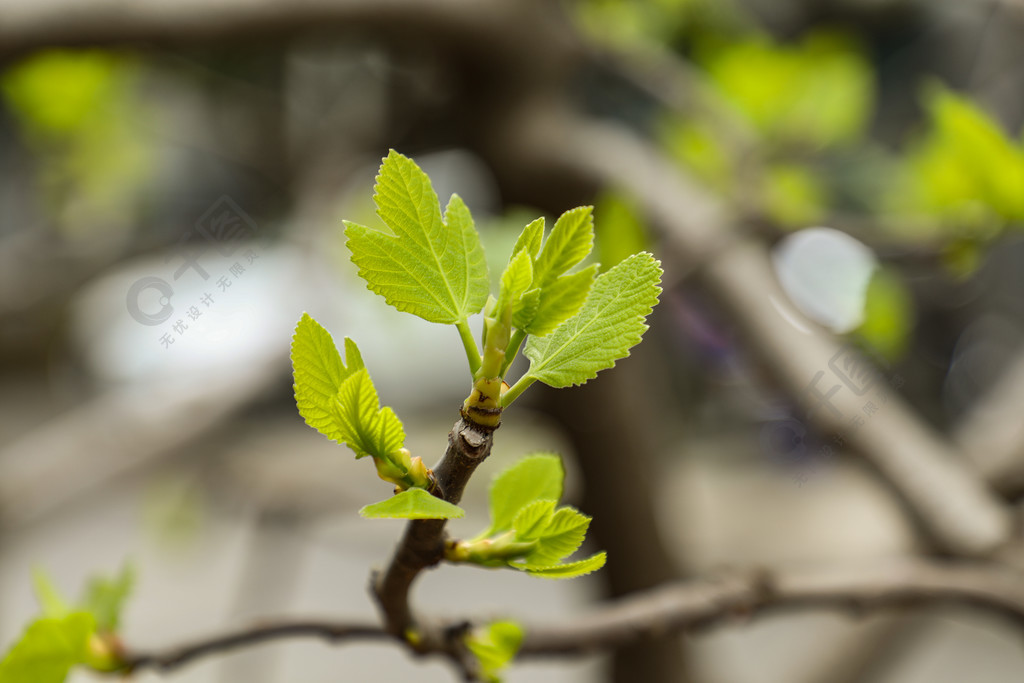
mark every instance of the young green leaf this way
{"type": "Point", "coordinates": [363, 425]}
{"type": "Point", "coordinates": [570, 241]}
{"type": "Point", "coordinates": [556, 303]}
{"type": "Point", "coordinates": [525, 310]}
{"type": "Point", "coordinates": [609, 324]}
{"type": "Point", "coordinates": [562, 536]}
{"type": "Point", "coordinates": [516, 279]}
{"type": "Point", "coordinates": [535, 477]}
{"type": "Point", "coordinates": [105, 597]}
{"type": "Point", "coordinates": [319, 373]}
{"type": "Point", "coordinates": [49, 596]}
{"type": "Point", "coordinates": [426, 267]}
{"type": "Point", "coordinates": [530, 238]}
{"type": "Point", "coordinates": [48, 649]}
{"type": "Point", "coordinates": [569, 570]}
{"type": "Point", "coordinates": [413, 504]}
{"type": "Point", "coordinates": [533, 520]}
{"type": "Point", "coordinates": [495, 646]}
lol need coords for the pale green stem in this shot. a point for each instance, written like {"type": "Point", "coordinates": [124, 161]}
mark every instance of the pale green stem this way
{"type": "Point", "coordinates": [472, 352]}
{"type": "Point", "coordinates": [519, 387]}
{"type": "Point", "coordinates": [513, 349]}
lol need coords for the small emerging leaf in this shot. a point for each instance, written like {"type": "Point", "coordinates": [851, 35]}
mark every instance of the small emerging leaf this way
{"type": "Point", "coordinates": [319, 373]}
{"type": "Point", "coordinates": [557, 302]}
{"type": "Point", "coordinates": [105, 597]}
{"type": "Point", "coordinates": [495, 647]}
{"type": "Point", "coordinates": [609, 324]}
{"type": "Point", "coordinates": [563, 535]}
{"type": "Point", "coordinates": [424, 267]}
{"type": "Point", "coordinates": [569, 570]}
{"type": "Point", "coordinates": [516, 279]}
{"type": "Point", "coordinates": [363, 425]}
{"type": "Point", "coordinates": [570, 241]}
{"type": "Point", "coordinates": [413, 504]}
{"type": "Point", "coordinates": [48, 649]}
{"type": "Point", "coordinates": [530, 238]}
{"type": "Point", "coordinates": [535, 477]}
{"type": "Point", "coordinates": [50, 599]}
{"type": "Point", "coordinates": [532, 521]}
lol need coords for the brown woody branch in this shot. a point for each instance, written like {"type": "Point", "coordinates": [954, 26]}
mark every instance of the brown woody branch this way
{"type": "Point", "coordinates": [422, 545]}
{"type": "Point", "coordinates": [333, 632]}
{"type": "Point", "coordinates": [700, 604]}
{"type": "Point", "coordinates": [674, 608]}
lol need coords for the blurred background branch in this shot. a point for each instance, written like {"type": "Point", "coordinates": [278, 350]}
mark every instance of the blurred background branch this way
{"type": "Point", "coordinates": [720, 136]}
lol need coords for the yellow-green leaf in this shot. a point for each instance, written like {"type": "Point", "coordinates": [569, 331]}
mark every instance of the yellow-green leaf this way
{"type": "Point", "coordinates": [412, 504]}
{"type": "Point", "coordinates": [607, 326]}
{"type": "Point", "coordinates": [425, 266]}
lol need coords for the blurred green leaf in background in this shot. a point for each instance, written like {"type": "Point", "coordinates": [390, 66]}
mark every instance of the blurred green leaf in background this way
{"type": "Point", "coordinates": [80, 113]}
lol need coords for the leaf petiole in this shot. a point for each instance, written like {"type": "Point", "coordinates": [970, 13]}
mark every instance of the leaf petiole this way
{"type": "Point", "coordinates": [472, 352]}
{"type": "Point", "coordinates": [518, 337]}
{"type": "Point", "coordinates": [519, 387]}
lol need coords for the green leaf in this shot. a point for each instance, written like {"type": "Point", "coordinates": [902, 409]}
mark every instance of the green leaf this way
{"type": "Point", "coordinates": [105, 597]}
{"type": "Point", "coordinates": [413, 504]}
{"type": "Point", "coordinates": [426, 267]}
{"type": "Point", "coordinates": [48, 649]}
{"type": "Point", "coordinates": [50, 599]}
{"type": "Point", "coordinates": [569, 570]}
{"type": "Point", "coordinates": [319, 374]}
{"type": "Point", "coordinates": [558, 302]}
{"type": "Point", "coordinates": [516, 279]}
{"type": "Point", "coordinates": [965, 170]}
{"type": "Point", "coordinates": [530, 238]}
{"type": "Point", "coordinates": [816, 93]}
{"type": "Point", "coordinates": [533, 520]}
{"type": "Point", "coordinates": [609, 324]}
{"type": "Point", "coordinates": [525, 310]}
{"type": "Point", "coordinates": [570, 241]}
{"type": "Point", "coordinates": [535, 477]}
{"type": "Point", "coordinates": [495, 646]}
{"type": "Point", "coordinates": [562, 536]}
{"type": "Point", "coordinates": [363, 425]}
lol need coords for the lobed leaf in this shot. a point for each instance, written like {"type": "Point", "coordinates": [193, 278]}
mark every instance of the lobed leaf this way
{"type": "Point", "coordinates": [606, 327]}
{"type": "Point", "coordinates": [319, 374]}
{"type": "Point", "coordinates": [413, 504]}
{"type": "Point", "coordinates": [363, 425]}
{"type": "Point", "coordinates": [425, 266]}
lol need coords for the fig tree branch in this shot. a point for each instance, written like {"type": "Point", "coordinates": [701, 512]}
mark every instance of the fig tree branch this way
{"type": "Point", "coordinates": [422, 544]}
{"type": "Point", "coordinates": [732, 598]}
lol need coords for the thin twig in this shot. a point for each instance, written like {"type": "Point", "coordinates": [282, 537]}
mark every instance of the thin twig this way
{"type": "Point", "coordinates": [702, 603]}
{"type": "Point", "coordinates": [334, 632]}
